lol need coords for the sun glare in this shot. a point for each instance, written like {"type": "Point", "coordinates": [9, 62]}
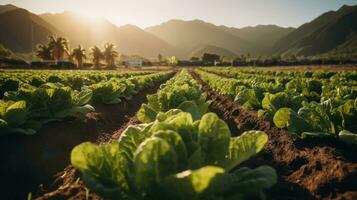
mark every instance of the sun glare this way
{"type": "Point", "coordinates": [91, 16]}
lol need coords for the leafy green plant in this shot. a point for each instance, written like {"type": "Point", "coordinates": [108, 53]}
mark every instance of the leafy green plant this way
{"type": "Point", "coordinates": [312, 120]}
{"type": "Point", "coordinates": [180, 152]}
{"type": "Point", "coordinates": [312, 104]}
{"type": "Point", "coordinates": [10, 84]}
{"type": "Point", "coordinates": [250, 99]}
{"type": "Point", "coordinates": [46, 96]}
{"type": "Point", "coordinates": [175, 157]}
{"type": "Point", "coordinates": [53, 101]}
{"type": "Point", "coordinates": [14, 117]}
{"type": "Point", "coordinates": [180, 92]}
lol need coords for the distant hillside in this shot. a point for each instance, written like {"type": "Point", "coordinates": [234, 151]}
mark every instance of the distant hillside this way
{"type": "Point", "coordinates": [264, 35]}
{"type": "Point", "coordinates": [186, 35]}
{"type": "Point", "coordinates": [18, 27]}
{"type": "Point", "coordinates": [7, 7]}
{"type": "Point", "coordinates": [4, 52]}
{"type": "Point", "coordinates": [201, 49]}
{"type": "Point", "coordinates": [334, 30]}
{"type": "Point", "coordinates": [128, 39]}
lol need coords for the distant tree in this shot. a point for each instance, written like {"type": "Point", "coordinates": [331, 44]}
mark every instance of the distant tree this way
{"type": "Point", "coordinates": [210, 59]}
{"type": "Point", "coordinates": [159, 58]}
{"type": "Point", "coordinates": [44, 52]}
{"type": "Point", "coordinates": [97, 56]}
{"type": "Point", "coordinates": [59, 47]}
{"type": "Point", "coordinates": [172, 60]}
{"type": "Point", "coordinates": [110, 54]}
{"type": "Point", "coordinates": [79, 54]}
{"type": "Point", "coordinates": [193, 58]}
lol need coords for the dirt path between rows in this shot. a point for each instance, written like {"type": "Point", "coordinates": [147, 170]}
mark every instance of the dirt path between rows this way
{"type": "Point", "coordinates": [30, 163]}
{"type": "Point", "coordinates": [310, 169]}
{"type": "Point", "coordinates": [68, 185]}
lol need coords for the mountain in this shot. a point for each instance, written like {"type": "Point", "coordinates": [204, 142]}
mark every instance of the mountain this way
{"type": "Point", "coordinates": [4, 52]}
{"type": "Point", "coordinates": [7, 7]}
{"type": "Point", "coordinates": [21, 30]}
{"type": "Point", "coordinates": [186, 35]}
{"type": "Point", "coordinates": [128, 39]}
{"type": "Point", "coordinates": [331, 31]}
{"type": "Point", "coordinates": [264, 35]}
{"type": "Point", "coordinates": [201, 49]}
{"type": "Point", "coordinates": [134, 40]}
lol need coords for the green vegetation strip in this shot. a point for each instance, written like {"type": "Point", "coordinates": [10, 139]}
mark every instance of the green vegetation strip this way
{"type": "Point", "coordinates": [308, 104]}
{"type": "Point", "coordinates": [179, 152]}
{"type": "Point", "coordinates": [36, 99]}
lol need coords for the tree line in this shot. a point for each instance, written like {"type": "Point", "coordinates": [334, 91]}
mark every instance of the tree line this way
{"type": "Point", "coordinates": [58, 47]}
{"type": "Point", "coordinates": [210, 59]}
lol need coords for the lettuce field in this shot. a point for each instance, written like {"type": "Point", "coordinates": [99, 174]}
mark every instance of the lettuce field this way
{"type": "Point", "coordinates": [210, 133]}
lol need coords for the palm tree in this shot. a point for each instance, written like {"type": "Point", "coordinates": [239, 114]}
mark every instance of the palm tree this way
{"type": "Point", "coordinates": [79, 54]}
{"type": "Point", "coordinates": [110, 54]}
{"type": "Point", "coordinates": [97, 56]}
{"type": "Point", "coordinates": [59, 47]}
{"type": "Point", "coordinates": [172, 60]}
{"type": "Point", "coordinates": [44, 52]}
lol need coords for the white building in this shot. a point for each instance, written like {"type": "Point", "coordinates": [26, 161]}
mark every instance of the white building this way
{"type": "Point", "coordinates": [134, 63]}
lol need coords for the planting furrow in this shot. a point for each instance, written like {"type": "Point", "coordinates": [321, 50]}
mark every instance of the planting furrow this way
{"type": "Point", "coordinates": [305, 171]}
{"type": "Point", "coordinates": [39, 157]}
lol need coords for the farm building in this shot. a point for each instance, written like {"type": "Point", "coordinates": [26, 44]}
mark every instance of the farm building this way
{"type": "Point", "coordinates": [133, 62]}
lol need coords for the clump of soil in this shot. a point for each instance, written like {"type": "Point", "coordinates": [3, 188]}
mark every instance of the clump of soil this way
{"type": "Point", "coordinates": [308, 169]}
{"type": "Point", "coordinates": [30, 161]}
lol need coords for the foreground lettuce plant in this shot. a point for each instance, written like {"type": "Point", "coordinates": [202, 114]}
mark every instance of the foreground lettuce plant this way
{"type": "Point", "coordinates": [175, 157]}
{"type": "Point", "coordinates": [14, 117]}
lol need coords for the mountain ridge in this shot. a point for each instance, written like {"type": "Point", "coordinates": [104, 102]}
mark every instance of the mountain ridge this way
{"type": "Point", "coordinates": [129, 39]}
{"type": "Point", "coordinates": [332, 31]}
{"type": "Point", "coordinates": [32, 30]}
{"type": "Point", "coordinates": [321, 35]}
{"type": "Point", "coordinates": [188, 34]}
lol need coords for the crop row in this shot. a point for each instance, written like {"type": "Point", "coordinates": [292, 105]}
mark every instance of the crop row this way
{"type": "Point", "coordinates": [239, 73]}
{"type": "Point", "coordinates": [11, 80]}
{"type": "Point", "coordinates": [179, 151]}
{"type": "Point", "coordinates": [307, 105]}
{"type": "Point", "coordinates": [26, 109]}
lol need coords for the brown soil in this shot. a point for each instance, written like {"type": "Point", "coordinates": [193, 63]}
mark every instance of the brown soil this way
{"type": "Point", "coordinates": [309, 169]}
{"type": "Point", "coordinates": [68, 185]}
{"type": "Point", "coordinates": [30, 161]}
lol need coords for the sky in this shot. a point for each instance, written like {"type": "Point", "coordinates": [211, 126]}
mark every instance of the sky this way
{"type": "Point", "coordinates": [233, 13]}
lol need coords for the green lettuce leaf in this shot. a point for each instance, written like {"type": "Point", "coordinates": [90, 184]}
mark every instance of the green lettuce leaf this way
{"type": "Point", "coordinates": [189, 184]}
{"type": "Point", "coordinates": [243, 147]}
{"type": "Point", "coordinates": [175, 140]}
{"type": "Point", "coordinates": [146, 114]}
{"type": "Point", "coordinates": [154, 159]}
{"type": "Point", "coordinates": [16, 114]}
{"type": "Point", "coordinates": [103, 168]}
{"type": "Point", "coordinates": [214, 137]}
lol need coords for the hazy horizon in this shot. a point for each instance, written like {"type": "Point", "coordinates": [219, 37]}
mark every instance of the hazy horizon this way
{"type": "Point", "coordinates": [232, 13]}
